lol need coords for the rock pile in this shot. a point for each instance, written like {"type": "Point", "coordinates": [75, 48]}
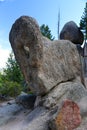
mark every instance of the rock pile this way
{"type": "Point", "coordinates": [52, 69]}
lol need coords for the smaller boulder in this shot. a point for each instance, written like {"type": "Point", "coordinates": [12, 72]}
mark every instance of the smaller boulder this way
{"type": "Point", "coordinates": [67, 118]}
{"type": "Point", "coordinates": [26, 100]}
{"type": "Point", "coordinates": [72, 32]}
{"type": "Point", "coordinates": [74, 91]}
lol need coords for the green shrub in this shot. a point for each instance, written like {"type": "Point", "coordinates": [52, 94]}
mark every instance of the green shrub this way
{"type": "Point", "coordinates": [10, 89]}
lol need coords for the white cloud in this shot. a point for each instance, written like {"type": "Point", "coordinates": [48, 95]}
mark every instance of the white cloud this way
{"type": "Point", "coordinates": [5, 49]}
{"type": "Point", "coordinates": [6, 0]}
{"type": "Point", "coordinates": [2, 0]}
{"type": "Point", "coordinates": [4, 54]}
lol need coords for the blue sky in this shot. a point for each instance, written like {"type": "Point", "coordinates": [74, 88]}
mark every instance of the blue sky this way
{"type": "Point", "coordinates": [44, 11]}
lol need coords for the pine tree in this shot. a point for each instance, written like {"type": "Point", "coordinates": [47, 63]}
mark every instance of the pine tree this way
{"type": "Point", "coordinates": [11, 79]}
{"type": "Point", "coordinates": [12, 70]}
{"type": "Point", "coordinates": [83, 22]}
{"type": "Point", "coordinates": [46, 32]}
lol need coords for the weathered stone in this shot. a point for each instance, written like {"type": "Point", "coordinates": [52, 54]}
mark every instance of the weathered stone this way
{"type": "Point", "coordinates": [25, 38]}
{"type": "Point", "coordinates": [61, 63]}
{"type": "Point", "coordinates": [16, 117]}
{"type": "Point", "coordinates": [26, 101]}
{"type": "Point", "coordinates": [7, 113]}
{"type": "Point", "coordinates": [74, 91]}
{"type": "Point", "coordinates": [83, 125]}
{"type": "Point", "coordinates": [44, 63]}
{"type": "Point", "coordinates": [71, 32]}
{"type": "Point", "coordinates": [67, 118]}
{"type": "Point", "coordinates": [83, 106]}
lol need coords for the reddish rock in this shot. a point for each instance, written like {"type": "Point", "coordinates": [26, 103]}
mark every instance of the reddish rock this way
{"type": "Point", "coordinates": [68, 118]}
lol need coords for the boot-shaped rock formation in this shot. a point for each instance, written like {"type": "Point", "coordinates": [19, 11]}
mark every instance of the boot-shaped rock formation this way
{"type": "Point", "coordinates": [44, 63]}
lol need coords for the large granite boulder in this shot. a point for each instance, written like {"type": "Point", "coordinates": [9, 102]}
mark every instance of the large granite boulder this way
{"type": "Point", "coordinates": [44, 63]}
{"type": "Point", "coordinates": [72, 32]}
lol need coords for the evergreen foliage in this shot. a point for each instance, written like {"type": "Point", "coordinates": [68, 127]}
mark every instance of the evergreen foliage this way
{"type": "Point", "coordinates": [12, 71]}
{"type": "Point", "coordinates": [11, 79]}
{"type": "Point", "coordinates": [46, 32]}
{"type": "Point", "coordinates": [83, 22]}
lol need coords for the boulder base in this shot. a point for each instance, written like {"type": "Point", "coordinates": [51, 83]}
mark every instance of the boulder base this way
{"type": "Point", "coordinates": [68, 118]}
